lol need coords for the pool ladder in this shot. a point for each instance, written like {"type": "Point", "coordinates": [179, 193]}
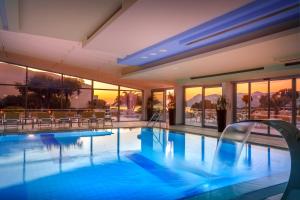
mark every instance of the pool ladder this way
{"type": "Point", "coordinates": [155, 118]}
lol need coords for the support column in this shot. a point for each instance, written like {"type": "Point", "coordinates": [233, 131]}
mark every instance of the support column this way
{"type": "Point", "coordinates": [227, 91]}
{"type": "Point", "coordinates": [179, 95]}
{"type": "Point", "coordinates": [146, 95]}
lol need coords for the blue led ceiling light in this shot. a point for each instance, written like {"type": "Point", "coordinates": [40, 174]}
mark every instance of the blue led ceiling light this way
{"type": "Point", "coordinates": [244, 23]}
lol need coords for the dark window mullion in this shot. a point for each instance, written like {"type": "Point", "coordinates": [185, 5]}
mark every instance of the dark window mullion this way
{"type": "Point", "coordinates": [294, 102]}
{"type": "Point", "coordinates": [203, 107]}
{"type": "Point", "coordinates": [250, 98]}
{"type": "Point", "coordinates": [269, 106]}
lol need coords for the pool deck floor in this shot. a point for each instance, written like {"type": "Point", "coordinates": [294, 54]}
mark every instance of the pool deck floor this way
{"type": "Point", "coordinates": [272, 141]}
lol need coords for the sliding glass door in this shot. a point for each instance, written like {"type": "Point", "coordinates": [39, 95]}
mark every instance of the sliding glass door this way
{"type": "Point", "coordinates": [200, 105]}
{"type": "Point", "coordinates": [210, 103]}
{"type": "Point", "coordinates": [193, 106]}
{"type": "Point", "coordinates": [268, 99]}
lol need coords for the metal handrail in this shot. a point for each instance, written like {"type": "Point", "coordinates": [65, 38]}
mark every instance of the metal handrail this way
{"type": "Point", "coordinates": [155, 118]}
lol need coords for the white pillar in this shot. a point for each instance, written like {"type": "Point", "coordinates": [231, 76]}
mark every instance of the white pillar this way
{"type": "Point", "coordinates": [147, 94]}
{"type": "Point", "coordinates": [179, 104]}
{"type": "Point", "coordinates": [227, 91]}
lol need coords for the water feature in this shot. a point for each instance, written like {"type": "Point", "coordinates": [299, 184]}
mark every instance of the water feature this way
{"type": "Point", "coordinates": [230, 145]}
{"type": "Point", "coordinates": [237, 134]}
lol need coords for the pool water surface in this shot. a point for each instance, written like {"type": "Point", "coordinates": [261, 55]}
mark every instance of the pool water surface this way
{"type": "Point", "coordinates": [138, 163]}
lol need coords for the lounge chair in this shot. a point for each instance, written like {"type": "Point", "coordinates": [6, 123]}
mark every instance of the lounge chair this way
{"type": "Point", "coordinates": [62, 118]}
{"type": "Point", "coordinates": [11, 119]}
{"type": "Point", "coordinates": [107, 120]}
{"type": "Point", "coordinates": [99, 117]}
{"type": "Point", "coordinates": [88, 117]}
{"type": "Point", "coordinates": [44, 118]}
{"type": "Point", "coordinates": [75, 119]}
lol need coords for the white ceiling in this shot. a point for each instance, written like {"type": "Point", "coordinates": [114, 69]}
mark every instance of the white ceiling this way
{"type": "Point", "coordinates": [147, 22]}
{"type": "Point", "coordinates": [55, 30]}
{"type": "Point", "coordinates": [65, 19]}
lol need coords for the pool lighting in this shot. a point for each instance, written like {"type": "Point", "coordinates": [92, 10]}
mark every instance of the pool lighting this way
{"type": "Point", "coordinates": [31, 135]}
{"type": "Point", "coordinates": [163, 50]}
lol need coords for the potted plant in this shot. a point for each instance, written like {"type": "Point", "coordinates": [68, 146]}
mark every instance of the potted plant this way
{"type": "Point", "coordinates": [171, 109]}
{"type": "Point", "coordinates": [221, 113]}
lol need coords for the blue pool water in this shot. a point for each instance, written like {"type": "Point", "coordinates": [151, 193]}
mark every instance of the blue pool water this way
{"type": "Point", "coordinates": [139, 163]}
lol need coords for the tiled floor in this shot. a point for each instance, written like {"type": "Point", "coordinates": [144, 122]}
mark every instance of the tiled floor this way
{"type": "Point", "coordinates": [254, 138]}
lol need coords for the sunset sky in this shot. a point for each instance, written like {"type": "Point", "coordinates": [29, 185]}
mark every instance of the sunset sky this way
{"type": "Point", "coordinates": [263, 86]}
{"type": "Point", "coordinates": [193, 91]}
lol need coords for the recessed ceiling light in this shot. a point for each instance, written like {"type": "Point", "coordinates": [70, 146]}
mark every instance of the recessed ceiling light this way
{"type": "Point", "coordinates": [153, 54]}
{"type": "Point", "coordinates": [163, 50]}
{"type": "Point", "coordinates": [144, 57]}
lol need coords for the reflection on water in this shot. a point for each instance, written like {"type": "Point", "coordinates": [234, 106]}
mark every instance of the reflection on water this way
{"type": "Point", "coordinates": [142, 158]}
{"type": "Point", "coordinates": [50, 141]}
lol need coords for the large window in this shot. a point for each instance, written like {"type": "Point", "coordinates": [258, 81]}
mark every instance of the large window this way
{"type": "Point", "coordinates": [12, 97]}
{"type": "Point", "coordinates": [268, 99]}
{"type": "Point", "coordinates": [130, 104]}
{"type": "Point", "coordinates": [193, 106]}
{"type": "Point", "coordinates": [281, 100]}
{"type": "Point", "coordinates": [12, 87]}
{"type": "Point", "coordinates": [33, 90]}
{"type": "Point", "coordinates": [210, 103]}
{"type": "Point", "coordinates": [76, 92]}
{"type": "Point", "coordinates": [259, 104]}
{"type": "Point", "coordinates": [12, 74]}
{"type": "Point", "coordinates": [200, 108]}
{"type": "Point", "coordinates": [242, 101]}
{"type": "Point", "coordinates": [158, 103]}
{"type": "Point", "coordinates": [103, 98]}
{"type": "Point", "coordinates": [44, 90]}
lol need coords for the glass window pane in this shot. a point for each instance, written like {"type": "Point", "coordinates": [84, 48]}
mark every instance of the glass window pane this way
{"type": "Point", "coordinates": [12, 97]}
{"type": "Point", "coordinates": [130, 105]}
{"type": "Point", "coordinates": [298, 102]}
{"type": "Point", "coordinates": [193, 106]}
{"type": "Point", "coordinates": [210, 99]}
{"type": "Point", "coordinates": [84, 83]}
{"type": "Point", "coordinates": [281, 101]}
{"type": "Point", "coordinates": [158, 102]}
{"type": "Point", "coordinates": [80, 99]}
{"type": "Point", "coordinates": [158, 99]}
{"type": "Point", "coordinates": [104, 98]}
{"type": "Point", "coordinates": [100, 85]}
{"type": "Point", "coordinates": [169, 94]}
{"type": "Point", "coordinates": [242, 101]}
{"type": "Point", "coordinates": [12, 74]}
{"type": "Point", "coordinates": [44, 90]}
{"type": "Point", "coordinates": [43, 78]}
{"type": "Point", "coordinates": [259, 104]}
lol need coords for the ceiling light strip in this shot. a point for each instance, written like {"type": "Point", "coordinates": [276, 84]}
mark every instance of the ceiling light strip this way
{"type": "Point", "coordinates": [245, 24]}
